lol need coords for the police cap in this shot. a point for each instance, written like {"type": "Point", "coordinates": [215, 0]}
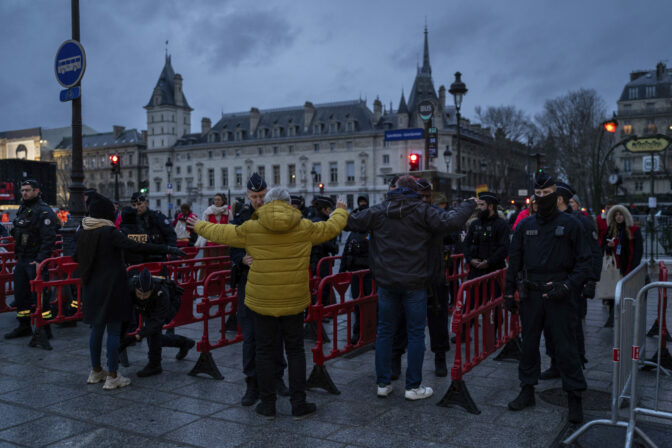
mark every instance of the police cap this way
{"type": "Point", "coordinates": [543, 180]}
{"type": "Point", "coordinates": [423, 185]}
{"type": "Point", "coordinates": [564, 190]}
{"type": "Point", "coordinates": [32, 182]}
{"type": "Point", "coordinates": [489, 197]}
{"type": "Point", "coordinates": [256, 183]}
{"type": "Point", "coordinates": [323, 202]}
{"type": "Point", "coordinates": [143, 281]}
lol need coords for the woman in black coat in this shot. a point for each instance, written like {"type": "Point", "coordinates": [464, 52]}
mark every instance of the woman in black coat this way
{"type": "Point", "coordinates": [105, 294]}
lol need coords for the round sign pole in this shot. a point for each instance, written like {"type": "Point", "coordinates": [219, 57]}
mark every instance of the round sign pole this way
{"type": "Point", "coordinates": [426, 111]}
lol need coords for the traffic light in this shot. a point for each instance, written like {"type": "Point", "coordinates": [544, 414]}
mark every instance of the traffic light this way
{"type": "Point", "coordinates": [321, 185]}
{"type": "Point", "coordinates": [610, 126]}
{"type": "Point", "coordinates": [413, 162]}
{"type": "Point", "coordinates": [115, 163]}
{"type": "Point", "coordinates": [143, 190]}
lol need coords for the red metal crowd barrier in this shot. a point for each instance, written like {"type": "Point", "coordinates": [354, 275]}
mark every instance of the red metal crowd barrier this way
{"type": "Point", "coordinates": [218, 250]}
{"type": "Point", "coordinates": [480, 307]}
{"type": "Point", "coordinates": [456, 273]}
{"type": "Point", "coordinates": [367, 304]}
{"type": "Point", "coordinates": [226, 303]}
{"type": "Point", "coordinates": [7, 263]}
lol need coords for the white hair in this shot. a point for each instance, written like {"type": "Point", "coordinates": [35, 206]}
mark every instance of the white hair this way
{"type": "Point", "coordinates": [277, 194]}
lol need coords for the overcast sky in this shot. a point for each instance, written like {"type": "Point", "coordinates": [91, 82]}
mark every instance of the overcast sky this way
{"type": "Point", "coordinates": [235, 54]}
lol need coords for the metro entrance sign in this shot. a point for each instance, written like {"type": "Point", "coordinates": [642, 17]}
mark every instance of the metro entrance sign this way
{"type": "Point", "coordinates": [70, 63]}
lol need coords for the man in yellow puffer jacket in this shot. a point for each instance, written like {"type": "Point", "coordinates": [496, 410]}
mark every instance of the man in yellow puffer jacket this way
{"type": "Point", "coordinates": [279, 241]}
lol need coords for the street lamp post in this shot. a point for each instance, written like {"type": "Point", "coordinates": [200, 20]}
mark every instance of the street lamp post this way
{"type": "Point", "coordinates": [458, 89]}
{"type": "Point", "coordinates": [169, 187]}
{"type": "Point", "coordinates": [598, 165]}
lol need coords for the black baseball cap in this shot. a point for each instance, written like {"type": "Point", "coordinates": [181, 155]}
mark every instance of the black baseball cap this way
{"type": "Point", "coordinates": [138, 197]}
{"type": "Point", "coordinates": [32, 182]}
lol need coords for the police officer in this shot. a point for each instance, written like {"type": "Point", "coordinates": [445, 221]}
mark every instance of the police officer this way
{"type": "Point", "coordinates": [487, 242]}
{"type": "Point", "coordinates": [154, 223]}
{"type": "Point", "coordinates": [256, 190]}
{"type": "Point", "coordinates": [550, 254]}
{"type": "Point", "coordinates": [34, 235]}
{"type": "Point", "coordinates": [565, 193]}
{"type": "Point", "coordinates": [324, 205]}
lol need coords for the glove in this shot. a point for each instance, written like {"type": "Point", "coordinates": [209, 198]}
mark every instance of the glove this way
{"type": "Point", "coordinates": [176, 252]}
{"type": "Point", "coordinates": [559, 291]}
{"type": "Point", "coordinates": [588, 290]}
{"type": "Point", "coordinates": [510, 304]}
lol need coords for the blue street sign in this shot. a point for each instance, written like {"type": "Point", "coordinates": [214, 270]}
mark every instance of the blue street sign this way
{"type": "Point", "coordinates": [404, 134]}
{"type": "Point", "coordinates": [70, 94]}
{"type": "Point", "coordinates": [170, 186]}
{"type": "Point", "coordinates": [70, 63]}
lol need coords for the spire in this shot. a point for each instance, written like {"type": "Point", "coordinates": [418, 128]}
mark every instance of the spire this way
{"type": "Point", "coordinates": [403, 108]}
{"type": "Point", "coordinates": [426, 68]}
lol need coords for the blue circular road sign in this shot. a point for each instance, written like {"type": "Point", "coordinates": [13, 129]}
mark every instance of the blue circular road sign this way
{"type": "Point", "coordinates": [70, 63]}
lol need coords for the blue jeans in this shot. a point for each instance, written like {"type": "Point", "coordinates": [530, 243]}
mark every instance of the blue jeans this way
{"type": "Point", "coordinates": [390, 303]}
{"type": "Point", "coordinates": [113, 341]}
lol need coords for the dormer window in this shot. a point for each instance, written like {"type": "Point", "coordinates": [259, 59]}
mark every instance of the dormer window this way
{"type": "Point", "coordinates": [317, 129]}
{"type": "Point", "coordinates": [291, 131]}
{"type": "Point", "coordinates": [333, 127]}
{"type": "Point", "coordinates": [261, 133]}
{"type": "Point", "coordinates": [632, 93]}
{"type": "Point", "coordinates": [650, 91]}
{"type": "Point", "coordinates": [277, 131]}
{"type": "Point", "coordinates": [350, 126]}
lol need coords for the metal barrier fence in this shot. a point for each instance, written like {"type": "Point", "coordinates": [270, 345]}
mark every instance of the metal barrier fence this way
{"type": "Point", "coordinates": [480, 306]}
{"type": "Point", "coordinates": [456, 273]}
{"type": "Point", "coordinates": [7, 263]}
{"type": "Point", "coordinates": [226, 303]}
{"type": "Point", "coordinates": [624, 321]}
{"type": "Point", "coordinates": [637, 352]}
{"type": "Point", "coordinates": [365, 301]}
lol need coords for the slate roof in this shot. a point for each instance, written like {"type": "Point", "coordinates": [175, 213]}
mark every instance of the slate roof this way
{"type": "Point", "coordinates": [166, 84]}
{"type": "Point", "coordinates": [661, 78]}
{"type": "Point", "coordinates": [128, 136]}
{"type": "Point", "coordinates": [21, 133]}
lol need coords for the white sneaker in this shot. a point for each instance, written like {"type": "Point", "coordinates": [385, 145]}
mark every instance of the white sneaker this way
{"type": "Point", "coordinates": [384, 390]}
{"type": "Point", "coordinates": [419, 393]}
{"type": "Point", "coordinates": [114, 383]}
{"type": "Point", "coordinates": [96, 377]}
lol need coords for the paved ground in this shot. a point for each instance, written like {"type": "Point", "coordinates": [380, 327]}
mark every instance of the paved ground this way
{"type": "Point", "coordinates": [44, 400]}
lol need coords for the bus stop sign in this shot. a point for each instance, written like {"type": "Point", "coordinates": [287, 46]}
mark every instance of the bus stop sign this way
{"type": "Point", "coordinates": [70, 63]}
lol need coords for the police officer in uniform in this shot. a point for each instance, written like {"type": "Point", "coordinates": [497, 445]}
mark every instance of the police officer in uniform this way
{"type": "Point", "coordinates": [487, 242]}
{"type": "Point", "coordinates": [565, 193]}
{"type": "Point", "coordinates": [549, 261]}
{"type": "Point", "coordinates": [256, 190]}
{"type": "Point", "coordinates": [154, 223]}
{"type": "Point", "coordinates": [34, 235]}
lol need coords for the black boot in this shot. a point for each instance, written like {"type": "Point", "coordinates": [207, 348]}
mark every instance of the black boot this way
{"type": "Point", "coordinates": [524, 399]}
{"type": "Point", "coordinates": [575, 414]}
{"type": "Point", "coordinates": [22, 330]}
{"type": "Point", "coordinates": [252, 393]}
{"type": "Point", "coordinates": [41, 338]}
{"type": "Point", "coordinates": [150, 369]}
{"type": "Point", "coordinates": [550, 373]}
{"type": "Point", "coordinates": [266, 408]}
{"type": "Point", "coordinates": [395, 372]}
{"type": "Point", "coordinates": [303, 409]}
{"type": "Point", "coordinates": [440, 368]}
{"type": "Point", "coordinates": [281, 388]}
{"type": "Point", "coordinates": [185, 346]}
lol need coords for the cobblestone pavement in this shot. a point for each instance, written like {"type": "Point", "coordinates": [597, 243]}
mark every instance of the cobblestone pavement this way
{"type": "Point", "coordinates": [45, 401]}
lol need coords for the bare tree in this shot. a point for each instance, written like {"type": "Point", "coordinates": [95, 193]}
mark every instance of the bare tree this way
{"type": "Point", "coordinates": [513, 122]}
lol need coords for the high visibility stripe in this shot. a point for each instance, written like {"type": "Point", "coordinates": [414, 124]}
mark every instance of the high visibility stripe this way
{"type": "Point", "coordinates": [46, 315]}
{"type": "Point", "coordinates": [74, 304]}
{"type": "Point", "coordinates": [23, 313]}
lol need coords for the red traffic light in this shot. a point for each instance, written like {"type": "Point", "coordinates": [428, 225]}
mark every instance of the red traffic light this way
{"type": "Point", "coordinates": [611, 126]}
{"type": "Point", "coordinates": [414, 161]}
{"type": "Point", "coordinates": [413, 157]}
{"type": "Point", "coordinates": [320, 185]}
{"type": "Point", "coordinates": [114, 159]}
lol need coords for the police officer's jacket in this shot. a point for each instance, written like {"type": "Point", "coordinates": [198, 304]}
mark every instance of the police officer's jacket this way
{"type": "Point", "coordinates": [401, 229]}
{"type": "Point", "coordinates": [34, 230]}
{"type": "Point", "coordinates": [156, 310]}
{"type": "Point", "coordinates": [237, 254]}
{"type": "Point", "coordinates": [158, 228]}
{"type": "Point", "coordinates": [488, 239]}
{"type": "Point", "coordinates": [549, 250]}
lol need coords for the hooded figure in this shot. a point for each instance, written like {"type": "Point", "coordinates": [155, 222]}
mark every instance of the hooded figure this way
{"type": "Point", "coordinates": [623, 239]}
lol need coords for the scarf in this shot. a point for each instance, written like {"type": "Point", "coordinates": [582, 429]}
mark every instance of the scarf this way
{"type": "Point", "coordinates": [89, 223]}
{"type": "Point", "coordinates": [214, 210]}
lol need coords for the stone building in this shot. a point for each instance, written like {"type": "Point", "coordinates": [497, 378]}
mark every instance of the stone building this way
{"type": "Point", "coordinates": [342, 145]}
{"type": "Point", "coordinates": [129, 144]}
{"type": "Point", "coordinates": [645, 109]}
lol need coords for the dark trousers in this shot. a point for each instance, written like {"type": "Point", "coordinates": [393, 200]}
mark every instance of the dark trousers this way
{"type": "Point", "coordinates": [581, 309]}
{"type": "Point", "coordinates": [158, 340]}
{"type": "Point", "coordinates": [24, 272]}
{"type": "Point", "coordinates": [267, 330]}
{"type": "Point", "coordinates": [367, 289]}
{"type": "Point", "coordinates": [558, 317]}
{"type": "Point", "coordinates": [246, 322]}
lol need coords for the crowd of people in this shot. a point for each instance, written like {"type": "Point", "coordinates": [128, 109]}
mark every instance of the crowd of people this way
{"type": "Point", "coordinates": [558, 256]}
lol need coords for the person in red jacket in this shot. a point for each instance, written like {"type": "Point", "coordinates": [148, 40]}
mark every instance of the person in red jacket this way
{"type": "Point", "coordinates": [185, 237]}
{"type": "Point", "coordinates": [601, 221]}
{"type": "Point", "coordinates": [218, 212]}
{"type": "Point", "coordinates": [623, 239]}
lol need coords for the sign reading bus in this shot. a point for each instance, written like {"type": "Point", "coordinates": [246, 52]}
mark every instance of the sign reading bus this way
{"type": "Point", "coordinates": [426, 110]}
{"type": "Point", "coordinates": [70, 63]}
{"type": "Point", "coordinates": [648, 144]}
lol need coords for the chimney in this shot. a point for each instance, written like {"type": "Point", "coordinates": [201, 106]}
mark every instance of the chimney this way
{"type": "Point", "coordinates": [144, 136]}
{"type": "Point", "coordinates": [117, 131]}
{"type": "Point", "coordinates": [660, 70]}
{"type": "Point", "coordinates": [205, 125]}
{"type": "Point", "coordinates": [635, 75]}
{"type": "Point", "coordinates": [255, 116]}
{"type": "Point", "coordinates": [377, 110]}
{"type": "Point", "coordinates": [308, 114]}
{"type": "Point", "coordinates": [179, 98]}
{"type": "Point", "coordinates": [442, 98]}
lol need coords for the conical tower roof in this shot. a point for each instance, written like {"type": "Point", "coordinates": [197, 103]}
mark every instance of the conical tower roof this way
{"type": "Point", "coordinates": [165, 86]}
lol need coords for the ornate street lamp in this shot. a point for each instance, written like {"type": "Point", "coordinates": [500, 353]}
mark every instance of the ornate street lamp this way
{"type": "Point", "coordinates": [458, 89]}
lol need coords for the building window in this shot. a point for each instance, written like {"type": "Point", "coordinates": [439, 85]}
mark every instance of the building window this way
{"type": "Point", "coordinates": [179, 202]}
{"type": "Point", "coordinates": [332, 146]}
{"type": "Point", "coordinates": [178, 185]}
{"type": "Point", "coordinates": [316, 129]}
{"type": "Point", "coordinates": [261, 151]}
{"type": "Point", "coordinates": [650, 91]}
{"type": "Point", "coordinates": [188, 156]}
{"type": "Point", "coordinates": [349, 145]}
{"type": "Point", "coordinates": [639, 186]}
{"type": "Point", "coordinates": [158, 203]}
{"type": "Point", "coordinates": [627, 108]}
{"type": "Point", "coordinates": [333, 172]}
{"type": "Point", "coordinates": [316, 147]}
{"type": "Point", "coordinates": [350, 201]}
{"type": "Point", "coordinates": [291, 131]}
{"type": "Point", "coordinates": [333, 127]}
{"type": "Point", "coordinates": [223, 153]}
{"type": "Point", "coordinates": [627, 128]}
{"type": "Point", "coordinates": [262, 171]}
{"type": "Point", "coordinates": [350, 171]}
{"type": "Point", "coordinates": [350, 126]}
{"type": "Point", "coordinates": [651, 126]}
{"type": "Point", "coordinates": [188, 169]}
{"type": "Point", "coordinates": [632, 93]}
{"type": "Point", "coordinates": [317, 172]}
{"type": "Point", "coordinates": [386, 159]}
{"type": "Point", "coordinates": [291, 174]}
{"type": "Point", "coordinates": [211, 177]}
{"type": "Point", "coordinates": [650, 107]}
{"type": "Point", "coordinates": [291, 149]}
{"type": "Point", "coordinates": [239, 177]}
{"type": "Point", "coordinates": [237, 152]}
{"type": "Point", "coordinates": [158, 185]}
{"type": "Point", "coordinates": [276, 132]}
{"type": "Point", "coordinates": [225, 177]}
{"type": "Point", "coordinates": [627, 165]}
{"type": "Point", "coordinates": [275, 150]}
{"type": "Point", "coordinates": [276, 174]}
